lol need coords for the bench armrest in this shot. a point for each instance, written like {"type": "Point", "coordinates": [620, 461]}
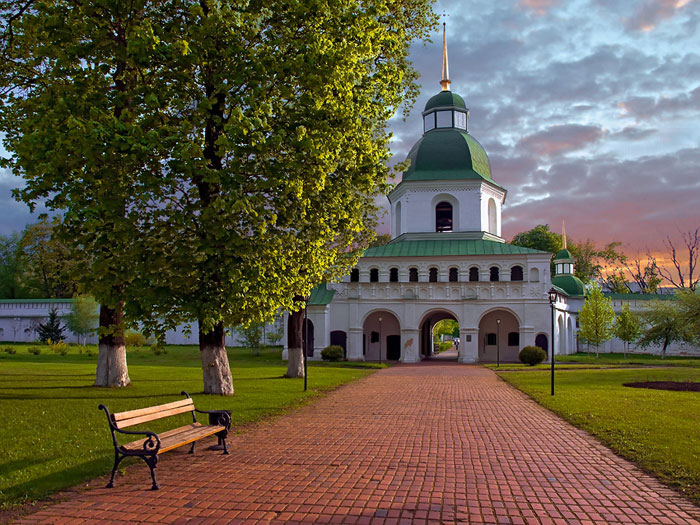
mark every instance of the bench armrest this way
{"type": "Point", "coordinates": [152, 444]}
{"type": "Point", "coordinates": [223, 418]}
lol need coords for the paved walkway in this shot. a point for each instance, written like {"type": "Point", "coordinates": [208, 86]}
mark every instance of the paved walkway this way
{"type": "Point", "coordinates": [424, 443]}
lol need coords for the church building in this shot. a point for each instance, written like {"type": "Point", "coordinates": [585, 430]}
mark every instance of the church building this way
{"type": "Point", "coordinates": [446, 260]}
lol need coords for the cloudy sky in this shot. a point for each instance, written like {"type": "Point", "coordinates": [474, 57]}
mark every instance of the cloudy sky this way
{"type": "Point", "coordinates": [588, 109]}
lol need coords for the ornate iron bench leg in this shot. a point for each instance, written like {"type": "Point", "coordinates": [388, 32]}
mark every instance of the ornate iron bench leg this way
{"type": "Point", "coordinates": [192, 447]}
{"type": "Point", "coordinates": [222, 441]}
{"type": "Point", "coordinates": [117, 460]}
{"type": "Point", "coordinates": [152, 462]}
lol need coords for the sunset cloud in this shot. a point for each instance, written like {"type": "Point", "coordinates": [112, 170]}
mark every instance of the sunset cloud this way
{"type": "Point", "coordinates": [560, 139]}
{"type": "Point", "coordinates": [652, 12]}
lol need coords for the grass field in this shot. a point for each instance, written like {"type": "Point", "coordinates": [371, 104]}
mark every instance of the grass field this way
{"type": "Point", "coordinates": [658, 430]}
{"type": "Point", "coordinates": [53, 436]}
{"type": "Point", "coordinates": [584, 360]}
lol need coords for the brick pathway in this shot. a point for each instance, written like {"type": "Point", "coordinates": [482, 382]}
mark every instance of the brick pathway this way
{"type": "Point", "coordinates": [424, 443]}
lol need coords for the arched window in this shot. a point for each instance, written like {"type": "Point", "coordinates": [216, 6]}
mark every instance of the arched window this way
{"type": "Point", "coordinates": [516, 273]}
{"type": "Point", "coordinates": [433, 275]}
{"type": "Point", "coordinates": [394, 275]}
{"type": "Point", "coordinates": [513, 339]}
{"type": "Point", "coordinates": [355, 275]}
{"type": "Point", "coordinates": [397, 219]}
{"type": "Point", "coordinates": [454, 275]}
{"type": "Point", "coordinates": [473, 274]}
{"type": "Point", "coordinates": [493, 273]}
{"type": "Point", "coordinates": [374, 275]}
{"type": "Point", "coordinates": [443, 217]}
{"type": "Point", "coordinates": [413, 275]}
{"type": "Point", "coordinates": [534, 275]}
{"type": "Point", "coordinates": [492, 217]}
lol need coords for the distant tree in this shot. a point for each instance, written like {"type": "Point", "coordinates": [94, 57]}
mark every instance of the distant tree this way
{"type": "Point", "coordinates": [596, 318]}
{"type": "Point", "coordinates": [689, 306]}
{"type": "Point", "coordinates": [252, 336]}
{"type": "Point", "coordinates": [83, 317]}
{"type": "Point", "coordinates": [51, 330]}
{"type": "Point", "coordinates": [539, 238]}
{"type": "Point", "coordinates": [592, 262]}
{"type": "Point", "coordinates": [627, 327]}
{"type": "Point", "coordinates": [380, 240]}
{"type": "Point", "coordinates": [11, 267]}
{"type": "Point", "coordinates": [645, 275]}
{"type": "Point", "coordinates": [685, 272]}
{"type": "Point", "coordinates": [273, 335]}
{"type": "Point", "coordinates": [48, 261]}
{"type": "Point", "coordinates": [663, 324]}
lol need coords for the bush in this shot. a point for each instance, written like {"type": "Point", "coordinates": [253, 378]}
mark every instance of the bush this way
{"type": "Point", "coordinates": [34, 350]}
{"type": "Point", "coordinates": [333, 353]}
{"type": "Point", "coordinates": [58, 347]}
{"type": "Point", "coordinates": [532, 355]}
{"type": "Point", "coordinates": [159, 349]}
{"type": "Point", "coordinates": [9, 350]}
{"type": "Point", "coordinates": [133, 338]}
{"type": "Point", "coordinates": [89, 352]}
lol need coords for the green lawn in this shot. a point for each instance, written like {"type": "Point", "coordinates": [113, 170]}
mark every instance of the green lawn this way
{"type": "Point", "coordinates": [631, 359]}
{"type": "Point", "coordinates": [52, 435]}
{"type": "Point", "coordinates": [659, 430]}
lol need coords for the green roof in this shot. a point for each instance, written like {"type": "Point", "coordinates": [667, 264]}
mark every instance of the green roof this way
{"type": "Point", "coordinates": [639, 296]}
{"type": "Point", "coordinates": [444, 99]}
{"type": "Point", "coordinates": [448, 154]}
{"type": "Point", "coordinates": [573, 286]}
{"type": "Point", "coordinates": [563, 254]}
{"type": "Point", "coordinates": [321, 295]}
{"type": "Point", "coordinates": [440, 248]}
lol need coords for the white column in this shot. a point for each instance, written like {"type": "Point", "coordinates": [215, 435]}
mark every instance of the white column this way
{"type": "Point", "coordinates": [468, 350]}
{"type": "Point", "coordinates": [354, 349]}
{"type": "Point", "coordinates": [410, 340]}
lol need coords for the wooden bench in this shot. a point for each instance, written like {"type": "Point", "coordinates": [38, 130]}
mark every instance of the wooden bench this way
{"type": "Point", "coordinates": [150, 447]}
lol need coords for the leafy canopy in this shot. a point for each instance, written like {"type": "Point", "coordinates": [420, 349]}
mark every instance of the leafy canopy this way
{"type": "Point", "coordinates": [596, 317]}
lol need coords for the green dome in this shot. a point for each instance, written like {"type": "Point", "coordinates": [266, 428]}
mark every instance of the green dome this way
{"type": "Point", "coordinates": [563, 254]}
{"type": "Point", "coordinates": [445, 99]}
{"type": "Point", "coordinates": [448, 154]}
{"type": "Point", "coordinates": [570, 284]}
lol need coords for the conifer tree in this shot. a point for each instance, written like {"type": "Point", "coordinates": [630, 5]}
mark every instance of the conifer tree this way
{"type": "Point", "coordinates": [51, 330]}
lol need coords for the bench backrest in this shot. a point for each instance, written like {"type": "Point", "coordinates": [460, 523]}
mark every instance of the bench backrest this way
{"type": "Point", "coordinates": [144, 415]}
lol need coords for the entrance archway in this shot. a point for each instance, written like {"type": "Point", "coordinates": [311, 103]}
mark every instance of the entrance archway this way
{"type": "Point", "coordinates": [499, 341]}
{"type": "Point", "coordinates": [426, 330]}
{"type": "Point", "coordinates": [381, 333]}
{"type": "Point", "coordinates": [340, 338]}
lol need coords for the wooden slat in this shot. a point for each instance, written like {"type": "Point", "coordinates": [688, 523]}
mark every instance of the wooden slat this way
{"type": "Point", "coordinates": [178, 437]}
{"type": "Point", "coordinates": [150, 410]}
{"type": "Point", "coordinates": [151, 417]}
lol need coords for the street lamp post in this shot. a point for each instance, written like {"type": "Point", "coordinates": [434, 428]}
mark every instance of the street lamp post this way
{"type": "Point", "coordinates": [498, 343]}
{"type": "Point", "coordinates": [553, 294]}
{"type": "Point", "coordinates": [305, 345]}
{"type": "Point", "coordinates": [380, 340]}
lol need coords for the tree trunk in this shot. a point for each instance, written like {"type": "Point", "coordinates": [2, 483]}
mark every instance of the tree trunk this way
{"type": "Point", "coordinates": [111, 359]}
{"type": "Point", "coordinates": [216, 371]}
{"type": "Point", "coordinates": [663, 350]}
{"type": "Point", "coordinates": [295, 362]}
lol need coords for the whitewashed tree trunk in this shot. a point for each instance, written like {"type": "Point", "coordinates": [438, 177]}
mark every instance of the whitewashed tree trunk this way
{"type": "Point", "coordinates": [112, 370]}
{"type": "Point", "coordinates": [216, 371]}
{"type": "Point", "coordinates": [295, 362]}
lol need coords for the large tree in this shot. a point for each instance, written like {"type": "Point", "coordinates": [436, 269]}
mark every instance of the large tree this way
{"type": "Point", "coordinates": [11, 267]}
{"type": "Point", "coordinates": [596, 318]}
{"type": "Point", "coordinates": [279, 151]}
{"type": "Point", "coordinates": [627, 327]}
{"type": "Point", "coordinates": [684, 260]}
{"type": "Point", "coordinates": [662, 324]}
{"type": "Point", "coordinates": [81, 115]}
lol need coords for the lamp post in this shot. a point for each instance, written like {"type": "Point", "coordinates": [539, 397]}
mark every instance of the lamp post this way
{"type": "Point", "coordinates": [553, 294]}
{"type": "Point", "coordinates": [306, 344]}
{"type": "Point", "coordinates": [498, 343]}
{"type": "Point", "coordinates": [380, 340]}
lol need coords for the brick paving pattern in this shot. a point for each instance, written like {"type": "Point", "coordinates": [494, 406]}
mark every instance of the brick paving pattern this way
{"type": "Point", "coordinates": [428, 443]}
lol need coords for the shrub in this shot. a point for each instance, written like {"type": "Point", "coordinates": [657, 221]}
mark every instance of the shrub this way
{"type": "Point", "coordinates": [34, 350]}
{"type": "Point", "coordinates": [89, 352]}
{"type": "Point", "coordinates": [159, 349]}
{"type": "Point", "coordinates": [133, 338]}
{"type": "Point", "coordinates": [532, 355]}
{"type": "Point", "coordinates": [57, 347]}
{"type": "Point", "coordinates": [9, 350]}
{"type": "Point", "coordinates": [333, 353]}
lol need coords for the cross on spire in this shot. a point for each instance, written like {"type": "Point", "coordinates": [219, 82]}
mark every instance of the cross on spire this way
{"type": "Point", "coordinates": [445, 81]}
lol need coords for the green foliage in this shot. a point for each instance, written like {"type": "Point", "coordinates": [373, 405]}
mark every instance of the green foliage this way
{"type": "Point", "coordinates": [333, 353]}
{"type": "Point", "coordinates": [663, 324]}
{"type": "Point", "coordinates": [627, 326]}
{"type": "Point", "coordinates": [445, 327]}
{"type": "Point", "coordinates": [57, 347]}
{"type": "Point", "coordinates": [11, 267]}
{"type": "Point", "coordinates": [274, 335]}
{"type": "Point", "coordinates": [9, 350]}
{"type": "Point", "coordinates": [689, 305]}
{"type": "Point", "coordinates": [442, 346]}
{"type": "Point", "coordinates": [539, 238]}
{"type": "Point", "coordinates": [252, 336]}
{"type": "Point", "coordinates": [532, 355]}
{"type": "Point", "coordinates": [133, 338]}
{"type": "Point", "coordinates": [51, 330]}
{"type": "Point", "coordinates": [596, 317]}
{"type": "Point", "coordinates": [34, 350]}
{"type": "Point", "coordinates": [83, 317]}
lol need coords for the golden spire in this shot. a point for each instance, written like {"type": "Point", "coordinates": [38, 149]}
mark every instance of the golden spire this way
{"type": "Point", "coordinates": [445, 81]}
{"type": "Point", "coordinates": [563, 234]}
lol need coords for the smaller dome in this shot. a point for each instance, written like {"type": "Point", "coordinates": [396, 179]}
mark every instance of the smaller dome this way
{"type": "Point", "coordinates": [445, 99]}
{"type": "Point", "coordinates": [573, 286]}
{"type": "Point", "coordinates": [563, 254]}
